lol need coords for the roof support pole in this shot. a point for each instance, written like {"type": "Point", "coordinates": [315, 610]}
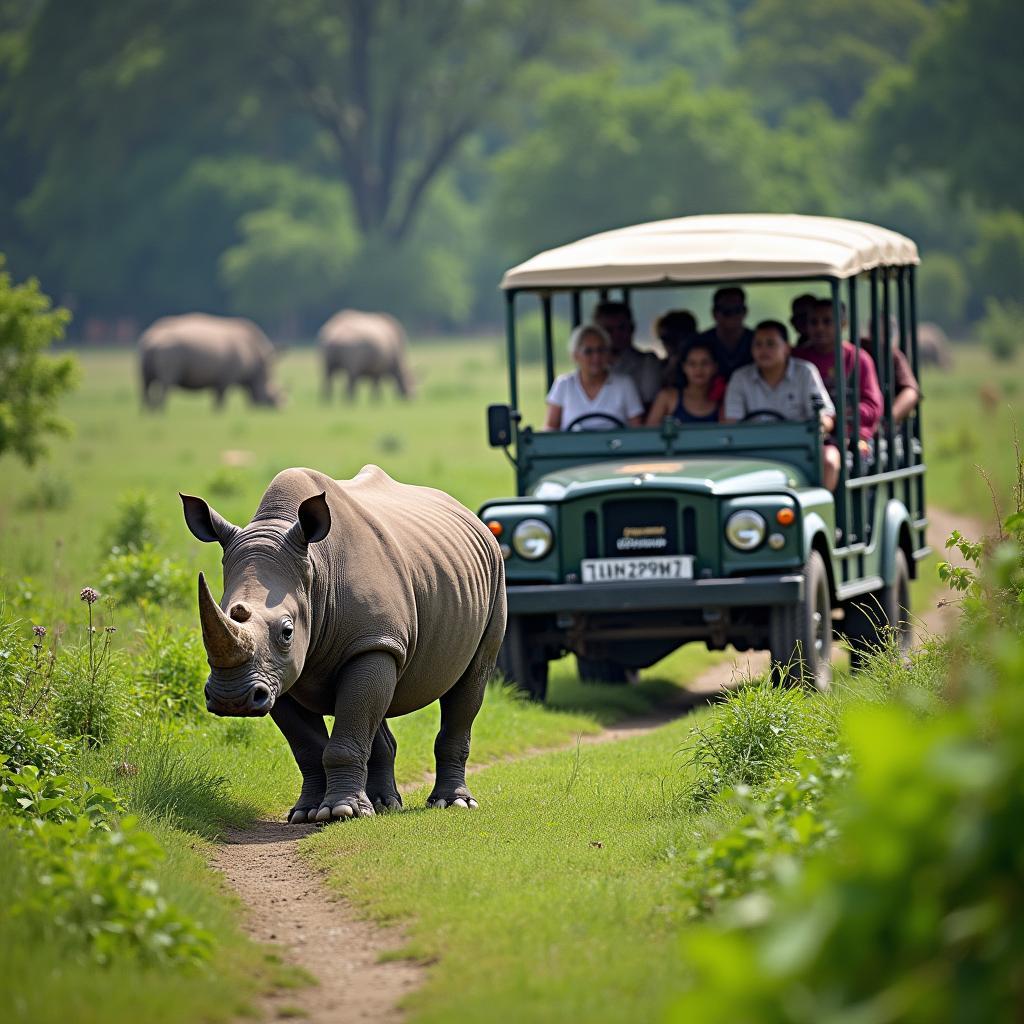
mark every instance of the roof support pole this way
{"type": "Point", "coordinates": [577, 309]}
{"type": "Point", "coordinates": [917, 453]}
{"type": "Point", "coordinates": [909, 488]}
{"type": "Point", "coordinates": [510, 342]}
{"type": "Point", "coordinates": [549, 353]}
{"type": "Point", "coordinates": [860, 496]}
{"type": "Point", "coordinates": [842, 498]}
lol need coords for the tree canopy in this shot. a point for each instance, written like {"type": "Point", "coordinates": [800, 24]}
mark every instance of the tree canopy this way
{"type": "Point", "coordinates": [282, 160]}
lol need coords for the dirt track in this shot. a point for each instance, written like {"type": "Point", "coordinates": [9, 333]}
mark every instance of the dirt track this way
{"type": "Point", "coordinates": [288, 905]}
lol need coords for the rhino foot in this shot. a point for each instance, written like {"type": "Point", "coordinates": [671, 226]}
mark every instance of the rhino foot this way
{"type": "Point", "coordinates": [300, 814]}
{"type": "Point", "coordinates": [457, 797]}
{"type": "Point", "coordinates": [386, 801]}
{"type": "Point", "coordinates": [335, 806]}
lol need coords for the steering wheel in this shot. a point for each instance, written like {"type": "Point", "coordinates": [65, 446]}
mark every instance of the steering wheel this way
{"type": "Point", "coordinates": [613, 420]}
{"type": "Point", "coordinates": [758, 414]}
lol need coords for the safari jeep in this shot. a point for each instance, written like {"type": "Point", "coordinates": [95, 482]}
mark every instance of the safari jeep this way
{"type": "Point", "coordinates": [621, 544]}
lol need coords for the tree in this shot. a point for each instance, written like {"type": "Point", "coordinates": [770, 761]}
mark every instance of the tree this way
{"type": "Point", "coordinates": [603, 155]}
{"type": "Point", "coordinates": [956, 108]}
{"type": "Point", "coordinates": [114, 103]}
{"type": "Point", "coordinates": [30, 381]}
{"type": "Point", "coordinates": [800, 50]}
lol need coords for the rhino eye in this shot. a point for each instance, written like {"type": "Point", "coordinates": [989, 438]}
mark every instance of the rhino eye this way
{"type": "Point", "coordinates": [286, 632]}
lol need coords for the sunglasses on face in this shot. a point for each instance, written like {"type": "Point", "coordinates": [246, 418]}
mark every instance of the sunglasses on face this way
{"type": "Point", "coordinates": [730, 310]}
{"type": "Point", "coordinates": [593, 350]}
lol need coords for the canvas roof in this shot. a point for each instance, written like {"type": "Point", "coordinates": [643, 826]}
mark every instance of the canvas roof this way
{"type": "Point", "coordinates": [726, 247]}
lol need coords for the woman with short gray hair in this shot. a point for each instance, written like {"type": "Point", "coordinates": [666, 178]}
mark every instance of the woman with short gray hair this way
{"type": "Point", "coordinates": [591, 397]}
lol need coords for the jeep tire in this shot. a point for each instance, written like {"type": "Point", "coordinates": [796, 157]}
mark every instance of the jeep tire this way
{"type": "Point", "coordinates": [800, 637]}
{"type": "Point", "coordinates": [521, 662]}
{"type": "Point", "coordinates": [875, 619]}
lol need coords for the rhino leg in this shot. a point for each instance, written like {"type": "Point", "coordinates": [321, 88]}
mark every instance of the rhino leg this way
{"type": "Point", "coordinates": [307, 736]}
{"type": "Point", "coordinates": [365, 691]}
{"type": "Point", "coordinates": [353, 380]}
{"type": "Point", "coordinates": [459, 707]}
{"type": "Point", "coordinates": [380, 771]}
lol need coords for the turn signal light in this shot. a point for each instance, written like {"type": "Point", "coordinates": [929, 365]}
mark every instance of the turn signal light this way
{"type": "Point", "coordinates": [785, 516]}
{"type": "Point", "coordinates": [495, 527]}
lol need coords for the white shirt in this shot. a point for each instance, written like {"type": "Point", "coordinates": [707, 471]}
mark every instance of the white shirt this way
{"type": "Point", "coordinates": [644, 369]}
{"type": "Point", "coordinates": [793, 398]}
{"type": "Point", "coordinates": [618, 397]}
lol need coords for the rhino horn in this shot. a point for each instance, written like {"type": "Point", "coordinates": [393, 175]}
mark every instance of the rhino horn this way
{"type": "Point", "coordinates": [228, 645]}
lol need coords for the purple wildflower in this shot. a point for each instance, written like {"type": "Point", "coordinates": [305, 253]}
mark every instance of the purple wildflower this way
{"type": "Point", "coordinates": [88, 595]}
{"type": "Point", "coordinates": [39, 631]}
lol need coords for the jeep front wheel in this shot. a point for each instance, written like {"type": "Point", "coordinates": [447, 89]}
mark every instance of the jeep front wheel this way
{"type": "Point", "coordinates": [521, 662]}
{"type": "Point", "coordinates": [801, 634]}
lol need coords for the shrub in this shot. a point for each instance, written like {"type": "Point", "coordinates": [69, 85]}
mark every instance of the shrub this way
{"type": "Point", "coordinates": [530, 339]}
{"type": "Point", "coordinates": [173, 670]}
{"type": "Point", "coordinates": [26, 668]}
{"type": "Point", "coordinates": [24, 742]}
{"type": "Point", "coordinates": [133, 527]}
{"type": "Point", "coordinates": [31, 382]}
{"type": "Point", "coordinates": [80, 877]}
{"type": "Point", "coordinates": [145, 577]}
{"type": "Point", "coordinates": [226, 482]}
{"type": "Point", "coordinates": [942, 290]}
{"type": "Point", "coordinates": [1001, 330]}
{"type": "Point", "coordinates": [89, 684]}
{"type": "Point", "coordinates": [750, 737]}
{"type": "Point", "coordinates": [50, 491]}
{"type": "Point", "coordinates": [775, 831]}
{"type": "Point", "coordinates": [914, 913]}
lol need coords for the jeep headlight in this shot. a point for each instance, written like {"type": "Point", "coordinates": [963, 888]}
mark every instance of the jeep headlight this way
{"type": "Point", "coordinates": [532, 539]}
{"type": "Point", "coordinates": [745, 529]}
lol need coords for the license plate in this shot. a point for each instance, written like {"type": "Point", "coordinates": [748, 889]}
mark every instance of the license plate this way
{"type": "Point", "coordinates": [628, 570]}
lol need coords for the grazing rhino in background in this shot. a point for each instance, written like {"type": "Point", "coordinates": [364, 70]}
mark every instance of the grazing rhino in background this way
{"type": "Point", "coordinates": [363, 599]}
{"type": "Point", "coordinates": [933, 347]}
{"type": "Point", "coordinates": [370, 345]}
{"type": "Point", "coordinates": [198, 351]}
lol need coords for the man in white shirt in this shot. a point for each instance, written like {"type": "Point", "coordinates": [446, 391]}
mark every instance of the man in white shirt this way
{"type": "Point", "coordinates": [777, 383]}
{"type": "Point", "coordinates": [645, 368]}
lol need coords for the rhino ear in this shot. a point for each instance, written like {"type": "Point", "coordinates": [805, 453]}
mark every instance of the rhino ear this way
{"type": "Point", "coordinates": [314, 522]}
{"type": "Point", "coordinates": [206, 524]}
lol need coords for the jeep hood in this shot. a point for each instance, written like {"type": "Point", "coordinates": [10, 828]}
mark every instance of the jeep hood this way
{"type": "Point", "coordinates": [697, 475]}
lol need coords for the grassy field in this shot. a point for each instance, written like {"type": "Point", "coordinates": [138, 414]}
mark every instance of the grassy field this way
{"type": "Point", "coordinates": [187, 779]}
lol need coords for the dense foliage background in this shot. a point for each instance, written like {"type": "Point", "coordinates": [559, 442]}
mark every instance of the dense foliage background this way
{"type": "Point", "coordinates": [283, 160]}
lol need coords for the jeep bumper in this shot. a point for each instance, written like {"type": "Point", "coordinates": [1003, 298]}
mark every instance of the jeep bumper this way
{"type": "Point", "coordinates": [734, 592]}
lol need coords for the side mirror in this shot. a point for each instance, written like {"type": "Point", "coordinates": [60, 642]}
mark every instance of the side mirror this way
{"type": "Point", "coordinates": [499, 426]}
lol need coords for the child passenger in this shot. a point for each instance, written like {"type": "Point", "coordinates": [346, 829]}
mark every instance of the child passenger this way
{"type": "Point", "coordinates": [691, 401]}
{"type": "Point", "coordinates": [777, 383]}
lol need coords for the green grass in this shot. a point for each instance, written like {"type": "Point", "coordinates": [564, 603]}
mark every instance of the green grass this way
{"type": "Point", "coordinates": [555, 901]}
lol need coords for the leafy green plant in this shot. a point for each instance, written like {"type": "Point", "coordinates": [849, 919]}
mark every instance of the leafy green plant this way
{"type": "Point", "coordinates": [31, 382]}
{"type": "Point", "coordinates": [749, 738]}
{"type": "Point", "coordinates": [226, 482]}
{"type": "Point", "coordinates": [776, 830]}
{"type": "Point", "coordinates": [25, 742]}
{"type": "Point", "coordinates": [172, 671]}
{"type": "Point", "coordinates": [26, 668]}
{"type": "Point", "coordinates": [1001, 330]}
{"type": "Point", "coordinates": [145, 577]}
{"type": "Point", "coordinates": [133, 527]}
{"type": "Point", "coordinates": [90, 683]}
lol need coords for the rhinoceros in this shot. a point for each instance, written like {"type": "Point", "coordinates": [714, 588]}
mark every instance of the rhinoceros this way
{"type": "Point", "coordinates": [364, 345]}
{"type": "Point", "coordinates": [363, 599]}
{"type": "Point", "coordinates": [196, 351]}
